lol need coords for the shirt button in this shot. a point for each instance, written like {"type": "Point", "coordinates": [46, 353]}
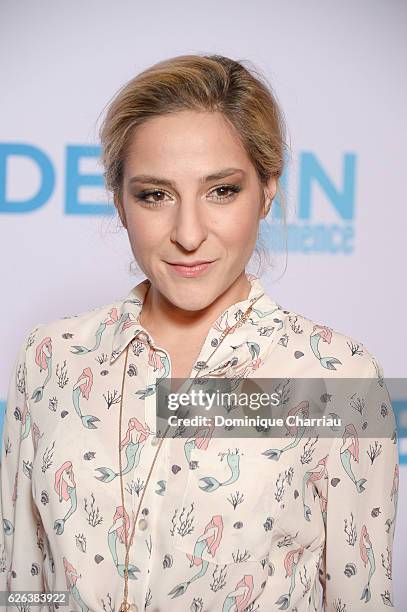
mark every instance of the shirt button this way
{"type": "Point", "coordinates": [142, 524]}
{"type": "Point", "coordinates": [155, 440]}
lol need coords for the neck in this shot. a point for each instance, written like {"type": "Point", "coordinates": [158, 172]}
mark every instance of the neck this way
{"type": "Point", "coordinates": [160, 314]}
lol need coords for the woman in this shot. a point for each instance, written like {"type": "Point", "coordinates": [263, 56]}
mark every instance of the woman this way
{"type": "Point", "coordinates": [193, 150]}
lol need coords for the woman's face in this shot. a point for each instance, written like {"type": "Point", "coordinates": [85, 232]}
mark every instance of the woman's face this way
{"type": "Point", "coordinates": [176, 211]}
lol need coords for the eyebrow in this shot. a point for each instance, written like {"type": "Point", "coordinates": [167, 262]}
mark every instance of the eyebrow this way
{"type": "Point", "coordinates": [156, 180]}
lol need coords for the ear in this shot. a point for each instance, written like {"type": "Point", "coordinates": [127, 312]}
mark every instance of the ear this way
{"type": "Point", "coordinates": [269, 192]}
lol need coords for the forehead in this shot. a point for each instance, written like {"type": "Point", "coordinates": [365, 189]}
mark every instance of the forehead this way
{"type": "Point", "coordinates": [187, 138]}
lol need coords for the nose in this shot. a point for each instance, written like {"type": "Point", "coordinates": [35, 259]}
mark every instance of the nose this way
{"type": "Point", "coordinates": [190, 226]}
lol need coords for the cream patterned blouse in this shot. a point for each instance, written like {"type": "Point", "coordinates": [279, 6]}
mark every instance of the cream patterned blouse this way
{"type": "Point", "coordinates": [296, 523]}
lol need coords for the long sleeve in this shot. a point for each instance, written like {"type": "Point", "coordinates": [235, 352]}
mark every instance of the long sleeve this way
{"type": "Point", "coordinates": [361, 503]}
{"type": "Point", "coordinates": [21, 540]}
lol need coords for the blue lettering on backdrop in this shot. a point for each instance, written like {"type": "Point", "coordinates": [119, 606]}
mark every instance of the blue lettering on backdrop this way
{"type": "Point", "coordinates": [302, 236]}
{"type": "Point", "coordinates": [75, 180]}
{"type": "Point", "coordinates": [47, 177]}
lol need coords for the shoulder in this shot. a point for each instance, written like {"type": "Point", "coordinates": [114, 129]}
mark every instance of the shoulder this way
{"type": "Point", "coordinates": [318, 347]}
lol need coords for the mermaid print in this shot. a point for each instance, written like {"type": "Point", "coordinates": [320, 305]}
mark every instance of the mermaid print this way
{"type": "Point", "coordinates": [71, 576]}
{"type": "Point", "coordinates": [291, 562]}
{"type": "Point", "coordinates": [214, 527]}
{"type": "Point", "coordinates": [350, 448]}
{"type": "Point", "coordinates": [83, 387]}
{"type": "Point", "coordinates": [303, 410]}
{"type": "Point", "coordinates": [367, 556]}
{"type": "Point", "coordinates": [157, 359]}
{"type": "Point", "coordinates": [110, 319]}
{"type": "Point", "coordinates": [200, 439]}
{"type": "Point", "coordinates": [133, 442]}
{"type": "Point", "coordinates": [43, 359]}
{"type": "Point", "coordinates": [118, 532]}
{"type": "Point", "coordinates": [65, 488]}
{"type": "Point", "coordinates": [209, 483]}
{"type": "Point", "coordinates": [238, 599]}
{"type": "Point", "coordinates": [209, 541]}
{"type": "Point", "coordinates": [308, 479]}
{"type": "Point", "coordinates": [321, 332]}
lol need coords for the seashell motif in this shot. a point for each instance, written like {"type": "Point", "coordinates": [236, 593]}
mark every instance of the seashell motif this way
{"type": "Point", "coordinates": [35, 569]}
{"type": "Point", "coordinates": [168, 561]}
{"type": "Point", "coordinates": [326, 397]}
{"type": "Point", "coordinates": [44, 497]}
{"type": "Point", "coordinates": [298, 354]}
{"type": "Point", "coordinates": [64, 413]}
{"type": "Point", "coordinates": [214, 342]}
{"type": "Point", "coordinates": [268, 524]}
{"type": "Point", "coordinates": [296, 494]}
{"type": "Point", "coordinates": [98, 558]}
{"type": "Point", "coordinates": [350, 570]}
{"type": "Point", "coordinates": [271, 569]}
{"type": "Point", "coordinates": [132, 370]}
{"type": "Point", "coordinates": [67, 335]}
{"type": "Point", "coordinates": [104, 372]}
{"type": "Point", "coordinates": [17, 414]}
{"type": "Point", "coordinates": [375, 512]}
{"type": "Point", "coordinates": [200, 365]}
{"type": "Point", "coordinates": [334, 481]}
{"type": "Point", "coordinates": [383, 410]}
{"type": "Point", "coordinates": [89, 455]}
{"type": "Point", "coordinates": [238, 525]}
{"type": "Point", "coordinates": [175, 469]}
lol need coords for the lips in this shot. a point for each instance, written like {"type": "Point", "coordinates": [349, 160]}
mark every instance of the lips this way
{"type": "Point", "coordinates": [191, 269]}
{"type": "Point", "coordinates": [191, 264]}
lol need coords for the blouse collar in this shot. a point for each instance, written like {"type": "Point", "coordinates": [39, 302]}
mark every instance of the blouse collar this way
{"type": "Point", "coordinates": [128, 313]}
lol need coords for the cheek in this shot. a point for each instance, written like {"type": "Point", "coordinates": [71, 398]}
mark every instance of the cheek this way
{"type": "Point", "coordinates": [143, 233]}
{"type": "Point", "coordinates": [241, 229]}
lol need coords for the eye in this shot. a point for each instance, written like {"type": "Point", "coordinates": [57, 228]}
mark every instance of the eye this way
{"type": "Point", "coordinates": [143, 196]}
{"type": "Point", "coordinates": [232, 189]}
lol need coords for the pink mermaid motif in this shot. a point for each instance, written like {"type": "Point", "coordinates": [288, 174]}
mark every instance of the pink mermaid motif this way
{"type": "Point", "coordinates": [238, 599]}
{"type": "Point", "coordinates": [367, 556]}
{"type": "Point", "coordinates": [157, 358]}
{"type": "Point", "coordinates": [134, 442]}
{"type": "Point", "coordinates": [301, 409]}
{"type": "Point", "coordinates": [318, 472]}
{"type": "Point", "coordinates": [119, 532]}
{"type": "Point", "coordinates": [209, 541]}
{"type": "Point", "coordinates": [350, 448]}
{"type": "Point", "coordinates": [83, 387]}
{"type": "Point", "coordinates": [110, 319]}
{"type": "Point", "coordinates": [71, 577]}
{"type": "Point", "coordinates": [199, 441]}
{"type": "Point", "coordinates": [291, 562]}
{"type": "Point", "coordinates": [65, 487]}
{"type": "Point", "coordinates": [321, 332]}
{"type": "Point", "coordinates": [43, 359]}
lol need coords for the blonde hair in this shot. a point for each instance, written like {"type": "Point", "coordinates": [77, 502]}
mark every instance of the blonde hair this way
{"type": "Point", "coordinates": [202, 83]}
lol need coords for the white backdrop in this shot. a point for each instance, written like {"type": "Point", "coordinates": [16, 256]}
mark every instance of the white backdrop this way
{"type": "Point", "coordinates": [338, 70]}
